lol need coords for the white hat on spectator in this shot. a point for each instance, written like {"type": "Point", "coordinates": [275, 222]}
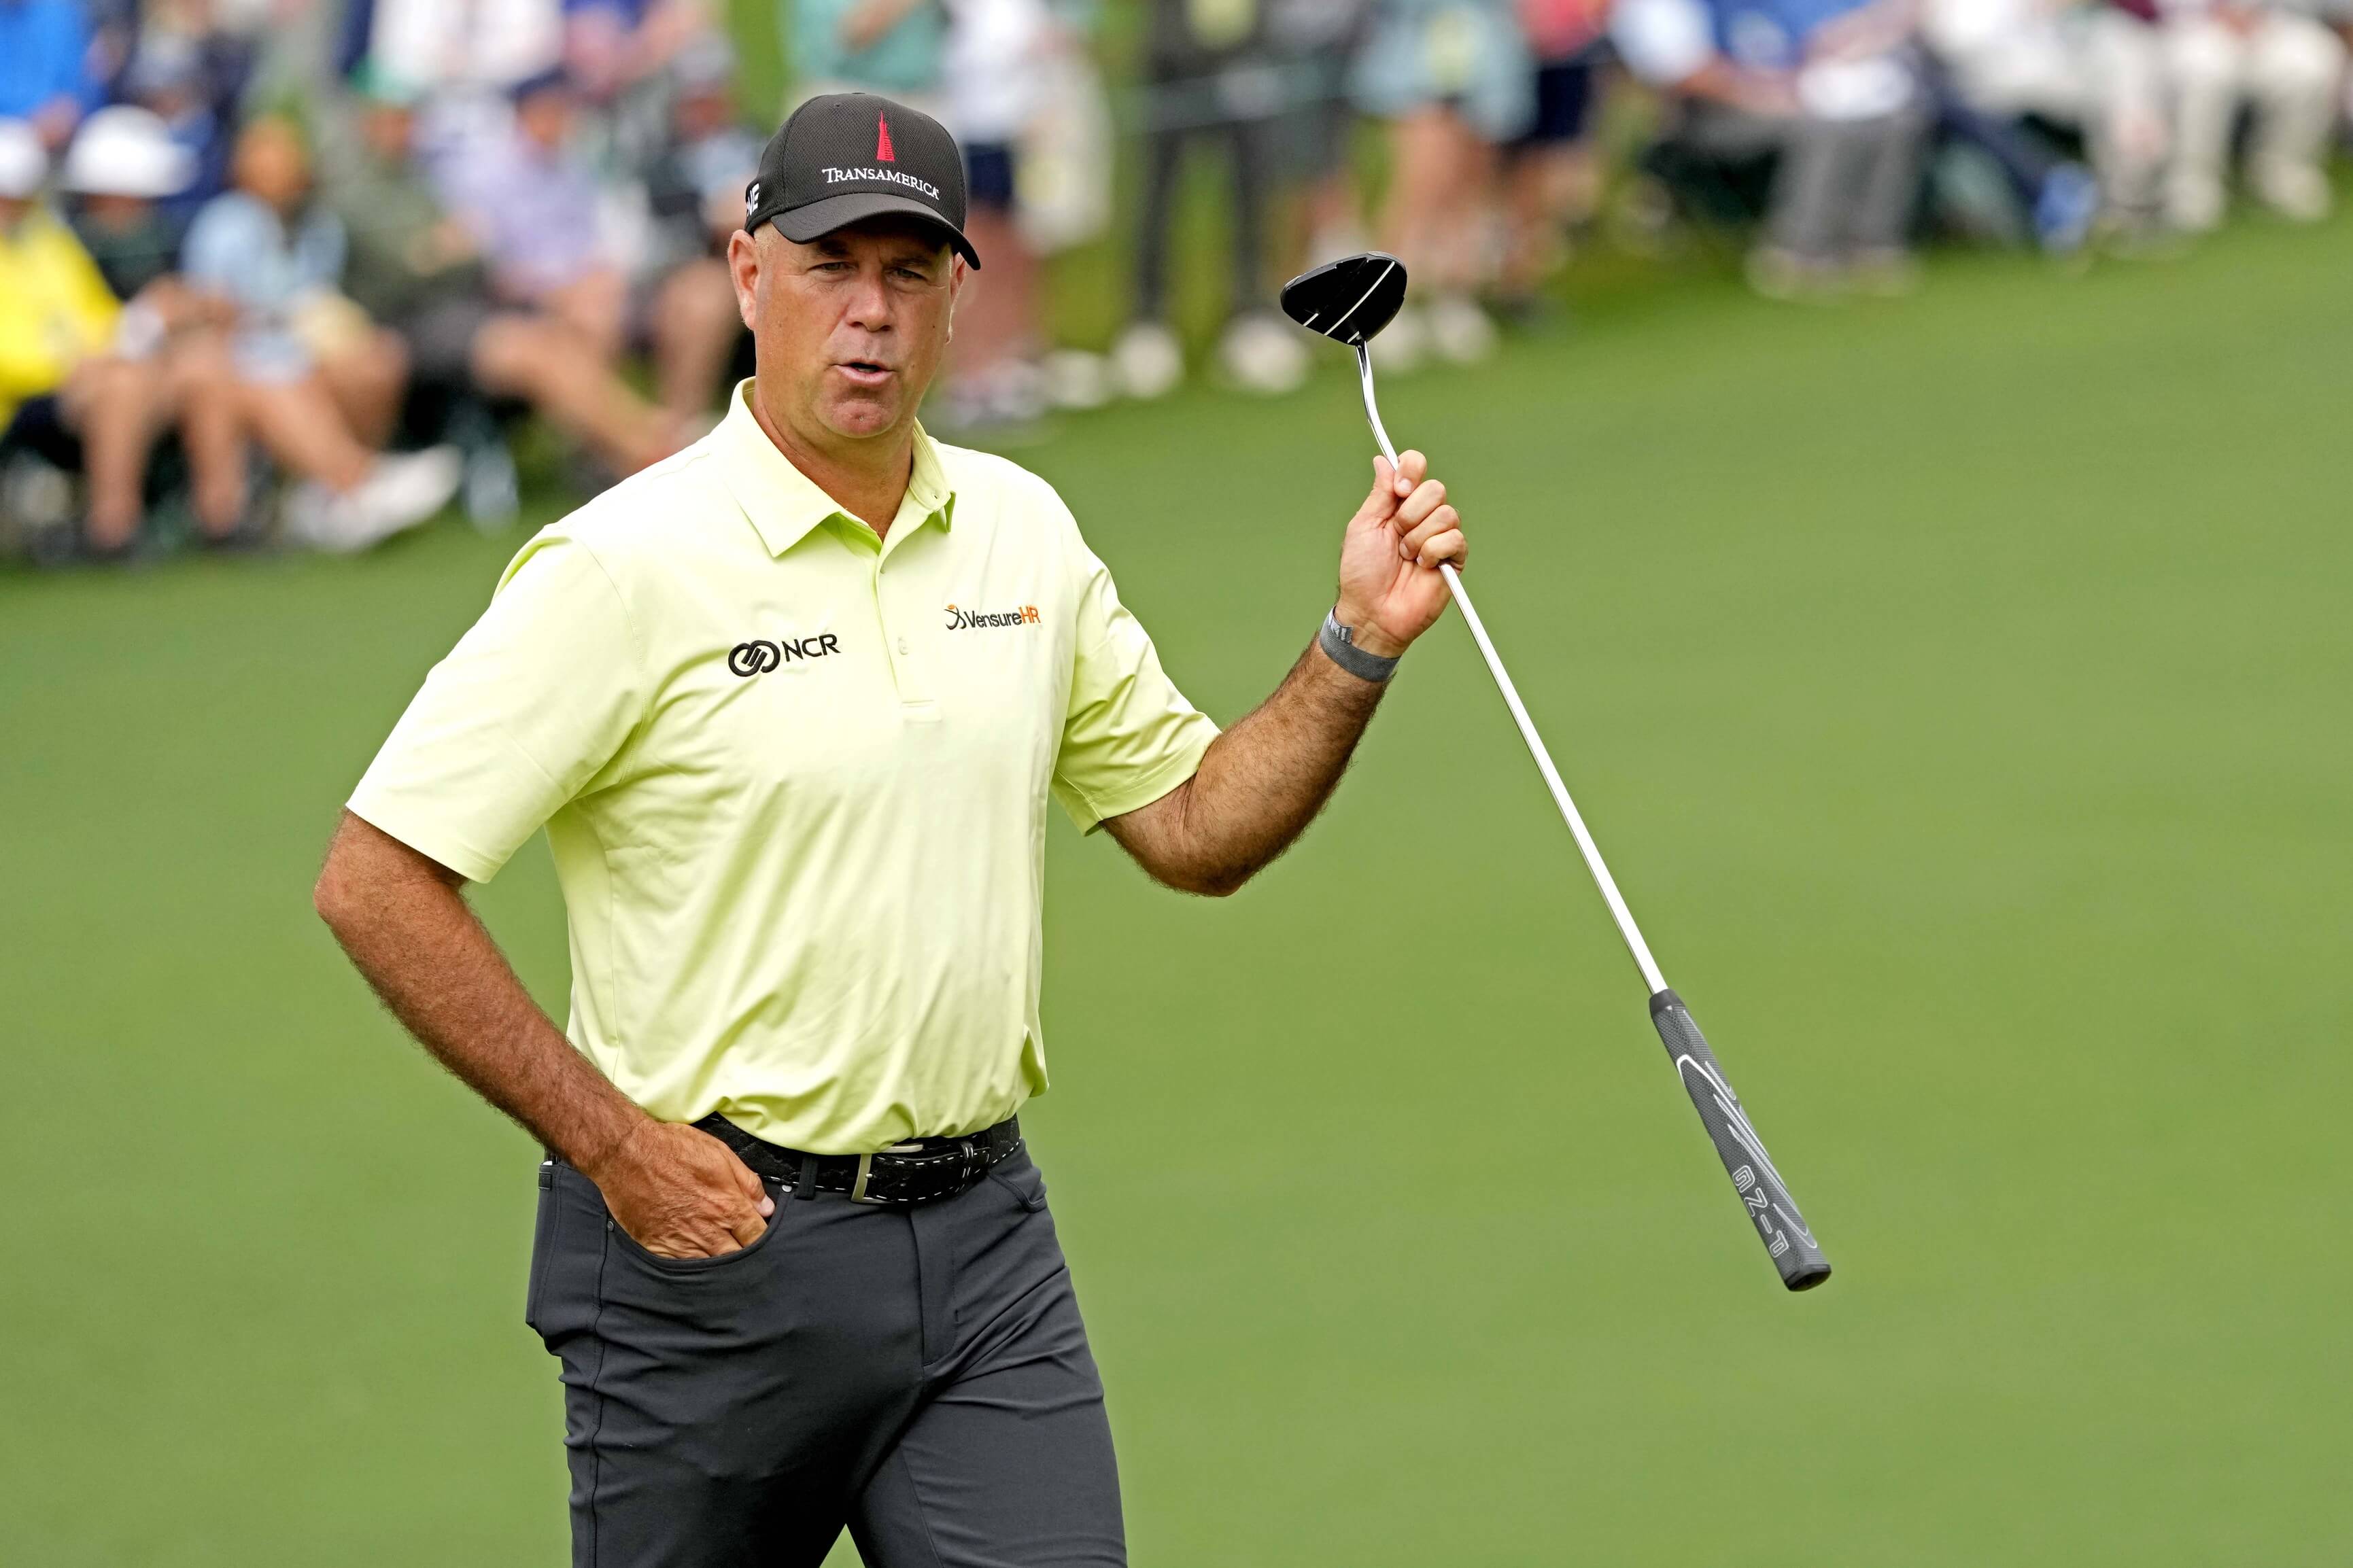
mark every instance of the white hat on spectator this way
{"type": "Point", "coordinates": [23, 165]}
{"type": "Point", "coordinates": [127, 151]}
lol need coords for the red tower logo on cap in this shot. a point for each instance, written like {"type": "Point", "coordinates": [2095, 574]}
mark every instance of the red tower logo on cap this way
{"type": "Point", "coordinates": [882, 139]}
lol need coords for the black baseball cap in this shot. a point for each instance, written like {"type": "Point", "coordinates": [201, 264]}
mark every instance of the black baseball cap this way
{"type": "Point", "coordinates": [848, 156]}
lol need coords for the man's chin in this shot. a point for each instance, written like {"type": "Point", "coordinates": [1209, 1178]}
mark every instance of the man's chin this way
{"type": "Point", "coordinates": [858, 414]}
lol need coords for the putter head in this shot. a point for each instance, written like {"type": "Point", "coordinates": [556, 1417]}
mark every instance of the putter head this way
{"type": "Point", "coordinates": [1348, 300]}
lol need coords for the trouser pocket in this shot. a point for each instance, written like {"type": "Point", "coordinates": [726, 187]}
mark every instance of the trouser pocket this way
{"type": "Point", "coordinates": [543, 1246]}
{"type": "Point", "coordinates": [1021, 1176]}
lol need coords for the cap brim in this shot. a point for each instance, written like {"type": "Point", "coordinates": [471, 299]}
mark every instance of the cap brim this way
{"type": "Point", "coordinates": [150, 180]}
{"type": "Point", "coordinates": [822, 218]}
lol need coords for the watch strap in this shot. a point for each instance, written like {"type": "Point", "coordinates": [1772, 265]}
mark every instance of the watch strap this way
{"type": "Point", "coordinates": [1339, 645]}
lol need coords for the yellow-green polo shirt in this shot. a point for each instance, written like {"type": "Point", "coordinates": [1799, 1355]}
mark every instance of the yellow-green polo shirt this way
{"type": "Point", "coordinates": [794, 778]}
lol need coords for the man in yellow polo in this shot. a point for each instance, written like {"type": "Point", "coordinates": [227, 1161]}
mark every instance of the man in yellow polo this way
{"type": "Point", "coordinates": [790, 706]}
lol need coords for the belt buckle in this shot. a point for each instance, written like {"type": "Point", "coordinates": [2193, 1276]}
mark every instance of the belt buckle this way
{"type": "Point", "coordinates": [866, 1171]}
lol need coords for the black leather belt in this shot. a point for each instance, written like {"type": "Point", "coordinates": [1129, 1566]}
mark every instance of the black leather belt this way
{"type": "Point", "coordinates": [920, 1171]}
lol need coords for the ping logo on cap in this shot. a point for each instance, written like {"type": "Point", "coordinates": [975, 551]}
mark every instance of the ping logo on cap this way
{"type": "Point", "coordinates": [882, 153]}
{"type": "Point", "coordinates": [752, 199]}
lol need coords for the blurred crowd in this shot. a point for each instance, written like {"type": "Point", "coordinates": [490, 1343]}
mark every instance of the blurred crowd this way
{"type": "Point", "coordinates": [308, 272]}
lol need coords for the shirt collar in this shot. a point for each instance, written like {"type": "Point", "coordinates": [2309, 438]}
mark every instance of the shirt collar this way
{"type": "Point", "coordinates": [785, 504]}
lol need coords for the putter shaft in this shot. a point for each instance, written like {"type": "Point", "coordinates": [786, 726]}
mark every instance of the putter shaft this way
{"type": "Point", "coordinates": [1618, 912]}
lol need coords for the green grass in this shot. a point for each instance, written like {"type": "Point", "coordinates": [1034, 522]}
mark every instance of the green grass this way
{"type": "Point", "coordinates": [1959, 687]}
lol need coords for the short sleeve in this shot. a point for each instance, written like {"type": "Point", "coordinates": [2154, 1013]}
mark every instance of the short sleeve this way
{"type": "Point", "coordinates": [1662, 41]}
{"type": "Point", "coordinates": [213, 251]}
{"type": "Point", "coordinates": [326, 249]}
{"type": "Point", "coordinates": [529, 707]}
{"type": "Point", "coordinates": [93, 304]}
{"type": "Point", "coordinates": [1131, 736]}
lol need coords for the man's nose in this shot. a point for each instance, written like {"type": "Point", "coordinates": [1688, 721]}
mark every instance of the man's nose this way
{"type": "Point", "coordinates": [870, 304]}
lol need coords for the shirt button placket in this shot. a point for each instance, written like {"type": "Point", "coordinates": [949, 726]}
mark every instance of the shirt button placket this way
{"type": "Point", "coordinates": [906, 665]}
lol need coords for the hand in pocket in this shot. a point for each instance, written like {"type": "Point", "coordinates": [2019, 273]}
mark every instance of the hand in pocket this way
{"type": "Point", "coordinates": [680, 1193]}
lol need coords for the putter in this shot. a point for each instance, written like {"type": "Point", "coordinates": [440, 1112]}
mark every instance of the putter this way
{"type": "Point", "coordinates": [1349, 301]}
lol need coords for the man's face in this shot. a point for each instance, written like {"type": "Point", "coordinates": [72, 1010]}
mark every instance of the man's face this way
{"type": "Point", "coordinates": [703, 112]}
{"type": "Point", "coordinates": [387, 128]}
{"type": "Point", "coordinates": [119, 214]}
{"type": "Point", "coordinates": [545, 117]}
{"type": "Point", "coordinates": [273, 164]}
{"type": "Point", "coordinates": [849, 329]}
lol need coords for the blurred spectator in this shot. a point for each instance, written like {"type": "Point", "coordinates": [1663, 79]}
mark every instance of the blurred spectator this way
{"type": "Point", "coordinates": [1453, 79]}
{"type": "Point", "coordinates": [420, 272]}
{"type": "Point", "coordinates": [194, 89]}
{"type": "Point", "coordinates": [1210, 75]}
{"type": "Point", "coordinates": [450, 46]}
{"type": "Point", "coordinates": [695, 188]}
{"type": "Point", "coordinates": [317, 382]}
{"type": "Point", "coordinates": [992, 66]}
{"type": "Point", "coordinates": [2051, 195]}
{"type": "Point", "coordinates": [626, 61]}
{"type": "Point", "coordinates": [113, 29]}
{"type": "Point", "coordinates": [66, 395]}
{"type": "Point", "coordinates": [1064, 185]}
{"type": "Point", "coordinates": [2097, 68]}
{"type": "Point", "coordinates": [44, 57]}
{"type": "Point", "coordinates": [894, 47]}
{"type": "Point", "coordinates": [1822, 86]}
{"type": "Point", "coordinates": [534, 209]}
{"type": "Point", "coordinates": [2283, 66]}
{"type": "Point", "coordinates": [610, 44]}
{"type": "Point", "coordinates": [1554, 176]}
{"type": "Point", "coordinates": [552, 183]}
{"type": "Point", "coordinates": [299, 50]}
{"type": "Point", "coordinates": [1315, 41]}
{"type": "Point", "coordinates": [695, 200]}
{"type": "Point", "coordinates": [123, 166]}
{"type": "Point", "coordinates": [897, 48]}
{"type": "Point", "coordinates": [544, 223]}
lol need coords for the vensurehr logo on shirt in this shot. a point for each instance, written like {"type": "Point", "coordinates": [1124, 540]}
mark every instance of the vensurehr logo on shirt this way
{"type": "Point", "coordinates": [759, 655]}
{"type": "Point", "coordinates": [969, 620]}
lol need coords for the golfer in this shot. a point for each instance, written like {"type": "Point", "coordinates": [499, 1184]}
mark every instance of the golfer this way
{"type": "Point", "coordinates": [789, 705]}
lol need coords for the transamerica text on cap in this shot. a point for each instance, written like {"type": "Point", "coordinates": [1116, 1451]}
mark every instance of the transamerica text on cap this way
{"type": "Point", "coordinates": [836, 176]}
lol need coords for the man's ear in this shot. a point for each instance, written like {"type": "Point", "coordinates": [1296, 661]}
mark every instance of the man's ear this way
{"type": "Point", "coordinates": [743, 271]}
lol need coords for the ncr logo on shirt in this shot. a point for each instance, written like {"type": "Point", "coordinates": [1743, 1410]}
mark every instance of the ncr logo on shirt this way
{"type": "Point", "coordinates": [759, 655]}
{"type": "Point", "coordinates": [961, 620]}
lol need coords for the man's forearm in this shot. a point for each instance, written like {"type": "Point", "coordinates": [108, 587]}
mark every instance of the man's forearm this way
{"type": "Point", "coordinates": [411, 933]}
{"type": "Point", "coordinates": [1260, 784]}
{"type": "Point", "coordinates": [1769, 93]}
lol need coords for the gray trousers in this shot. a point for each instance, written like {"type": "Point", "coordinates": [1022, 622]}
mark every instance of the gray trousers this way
{"type": "Point", "coordinates": [918, 1376]}
{"type": "Point", "coordinates": [1842, 186]}
{"type": "Point", "coordinates": [1251, 156]}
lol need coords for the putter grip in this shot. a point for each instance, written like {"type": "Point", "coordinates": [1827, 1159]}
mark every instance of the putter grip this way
{"type": "Point", "coordinates": [1762, 1192]}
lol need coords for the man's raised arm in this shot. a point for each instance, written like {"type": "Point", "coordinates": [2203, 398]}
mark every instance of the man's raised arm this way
{"type": "Point", "coordinates": [1262, 782]}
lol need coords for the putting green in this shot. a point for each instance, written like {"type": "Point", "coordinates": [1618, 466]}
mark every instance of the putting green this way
{"type": "Point", "coordinates": [1957, 686]}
